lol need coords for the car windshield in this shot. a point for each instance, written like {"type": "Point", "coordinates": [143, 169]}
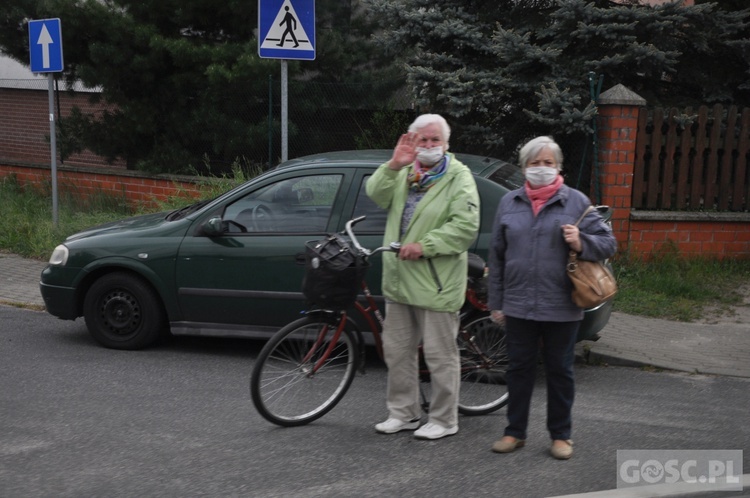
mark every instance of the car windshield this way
{"type": "Point", "coordinates": [509, 176]}
{"type": "Point", "coordinates": [184, 211]}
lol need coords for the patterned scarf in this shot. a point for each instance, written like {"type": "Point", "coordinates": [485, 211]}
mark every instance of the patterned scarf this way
{"type": "Point", "coordinates": [421, 180]}
{"type": "Point", "coordinates": [540, 196]}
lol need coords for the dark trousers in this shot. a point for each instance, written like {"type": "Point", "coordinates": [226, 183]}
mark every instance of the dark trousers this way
{"type": "Point", "coordinates": [557, 342]}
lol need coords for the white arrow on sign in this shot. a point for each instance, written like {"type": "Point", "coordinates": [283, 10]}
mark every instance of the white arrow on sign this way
{"type": "Point", "coordinates": [45, 40]}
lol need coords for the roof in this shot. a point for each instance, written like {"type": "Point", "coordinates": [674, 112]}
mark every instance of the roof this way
{"type": "Point", "coordinates": [14, 74]}
{"type": "Point", "coordinates": [479, 165]}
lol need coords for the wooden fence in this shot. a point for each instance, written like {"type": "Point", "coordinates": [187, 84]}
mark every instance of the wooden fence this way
{"type": "Point", "coordinates": [693, 161]}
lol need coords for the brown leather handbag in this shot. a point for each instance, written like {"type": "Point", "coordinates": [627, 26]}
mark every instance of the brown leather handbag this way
{"type": "Point", "coordinates": [593, 282]}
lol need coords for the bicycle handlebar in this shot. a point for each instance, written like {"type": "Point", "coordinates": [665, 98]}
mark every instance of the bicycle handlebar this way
{"type": "Point", "coordinates": [394, 246]}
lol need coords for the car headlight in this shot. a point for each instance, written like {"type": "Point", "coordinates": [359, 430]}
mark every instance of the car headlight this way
{"type": "Point", "coordinates": [59, 256]}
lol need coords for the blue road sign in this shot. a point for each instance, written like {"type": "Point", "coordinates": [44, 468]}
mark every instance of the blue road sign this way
{"type": "Point", "coordinates": [45, 46]}
{"type": "Point", "coordinates": [286, 29]}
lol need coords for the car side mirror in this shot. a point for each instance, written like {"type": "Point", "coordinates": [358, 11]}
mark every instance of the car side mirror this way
{"type": "Point", "coordinates": [214, 227]}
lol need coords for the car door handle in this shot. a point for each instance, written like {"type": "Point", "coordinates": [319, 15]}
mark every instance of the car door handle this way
{"type": "Point", "coordinates": [299, 258]}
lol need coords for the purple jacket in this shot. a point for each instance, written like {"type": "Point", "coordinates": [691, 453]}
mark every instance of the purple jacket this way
{"type": "Point", "coordinates": [528, 256]}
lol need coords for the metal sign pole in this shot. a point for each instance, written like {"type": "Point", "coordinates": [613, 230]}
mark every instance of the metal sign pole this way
{"type": "Point", "coordinates": [284, 111]}
{"type": "Point", "coordinates": [46, 56]}
{"type": "Point", "coordinates": [286, 31]}
{"type": "Point", "coordinates": [53, 146]}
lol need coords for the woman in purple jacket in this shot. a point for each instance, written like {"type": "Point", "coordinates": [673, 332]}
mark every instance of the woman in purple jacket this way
{"type": "Point", "coordinates": [530, 292]}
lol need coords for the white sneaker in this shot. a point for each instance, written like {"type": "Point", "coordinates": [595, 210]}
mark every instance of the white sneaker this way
{"type": "Point", "coordinates": [435, 431]}
{"type": "Point", "coordinates": [393, 425]}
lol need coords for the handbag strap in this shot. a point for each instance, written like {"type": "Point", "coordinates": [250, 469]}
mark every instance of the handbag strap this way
{"type": "Point", "coordinates": [572, 255]}
{"type": "Point", "coordinates": [588, 210]}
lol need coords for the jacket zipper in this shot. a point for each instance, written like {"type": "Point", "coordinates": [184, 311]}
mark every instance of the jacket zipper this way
{"type": "Point", "coordinates": [552, 239]}
{"type": "Point", "coordinates": [435, 276]}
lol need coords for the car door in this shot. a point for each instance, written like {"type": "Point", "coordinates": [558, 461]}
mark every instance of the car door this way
{"type": "Point", "coordinates": [370, 231]}
{"type": "Point", "coordinates": [250, 276]}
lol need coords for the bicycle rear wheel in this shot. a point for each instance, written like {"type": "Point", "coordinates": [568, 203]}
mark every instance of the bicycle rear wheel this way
{"type": "Point", "coordinates": [484, 361]}
{"type": "Point", "coordinates": [296, 379]}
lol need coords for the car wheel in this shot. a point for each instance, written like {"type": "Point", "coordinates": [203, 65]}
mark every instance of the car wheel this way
{"type": "Point", "coordinates": [123, 311]}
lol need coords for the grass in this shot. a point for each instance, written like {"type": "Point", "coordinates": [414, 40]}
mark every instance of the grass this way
{"type": "Point", "coordinates": [668, 286]}
{"type": "Point", "coordinates": [665, 286]}
{"type": "Point", "coordinates": [27, 228]}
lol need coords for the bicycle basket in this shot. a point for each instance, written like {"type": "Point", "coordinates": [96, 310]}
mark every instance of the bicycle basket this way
{"type": "Point", "coordinates": [333, 272]}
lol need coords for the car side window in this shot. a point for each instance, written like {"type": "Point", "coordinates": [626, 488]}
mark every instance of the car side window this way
{"type": "Point", "coordinates": [375, 215]}
{"type": "Point", "coordinates": [293, 205]}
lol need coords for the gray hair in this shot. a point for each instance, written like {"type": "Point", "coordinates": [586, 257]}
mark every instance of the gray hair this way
{"type": "Point", "coordinates": [534, 146]}
{"type": "Point", "coordinates": [428, 119]}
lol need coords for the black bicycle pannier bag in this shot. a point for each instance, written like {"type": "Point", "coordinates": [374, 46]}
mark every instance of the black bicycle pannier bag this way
{"type": "Point", "coordinates": [333, 272]}
{"type": "Point", "coordinates": [477, 277]}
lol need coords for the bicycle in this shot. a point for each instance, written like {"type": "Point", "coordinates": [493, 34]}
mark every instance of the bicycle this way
{"type": "Point", "coordinates": [306, 368]}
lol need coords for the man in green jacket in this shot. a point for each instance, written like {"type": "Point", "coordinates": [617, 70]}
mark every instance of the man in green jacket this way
{"type": "Point", "coordinates": [433, 210]}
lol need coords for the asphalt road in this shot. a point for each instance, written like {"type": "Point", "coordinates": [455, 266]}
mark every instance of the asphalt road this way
{"type": "Point", "coordinates": [78, 420]}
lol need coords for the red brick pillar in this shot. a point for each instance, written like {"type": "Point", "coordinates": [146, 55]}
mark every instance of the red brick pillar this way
{"type": "Point", "coordinates": [617, 130]}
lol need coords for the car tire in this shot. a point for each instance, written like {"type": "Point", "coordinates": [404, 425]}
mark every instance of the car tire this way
{"type": "Point", "coordinates": [122, 311]}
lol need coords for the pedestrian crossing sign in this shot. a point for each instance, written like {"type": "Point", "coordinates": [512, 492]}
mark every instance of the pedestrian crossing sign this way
{"type": "Point", "coordinates": [286, 29]}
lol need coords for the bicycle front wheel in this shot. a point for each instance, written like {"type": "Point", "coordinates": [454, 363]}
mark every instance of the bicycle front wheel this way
{"type": "Point", "coordinates": [484, 362]}
{"type": "Point", "coordinates": [302, 373]}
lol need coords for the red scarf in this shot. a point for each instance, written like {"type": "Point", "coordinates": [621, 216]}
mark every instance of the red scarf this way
{"type": "Point", "coordinates": [540, 196]}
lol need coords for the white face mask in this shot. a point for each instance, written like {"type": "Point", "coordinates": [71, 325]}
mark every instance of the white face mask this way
{"type": "Point", "coordinates": [429, 157]}
{"type": "Point", "coordinates": [540, 176]}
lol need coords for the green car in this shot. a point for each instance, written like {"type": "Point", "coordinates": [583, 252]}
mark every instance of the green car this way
{"type": "Point", "coordinates": [233, 266]}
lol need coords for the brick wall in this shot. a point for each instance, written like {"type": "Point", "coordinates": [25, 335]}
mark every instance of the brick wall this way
{"type": "Point", "coordinates": [692, 237]}
{"type": "Point", "coordinates": [693, 233]}
{"type": "Point", "coordinates": [617, 129]}
{"type": "Point", "coordinates": [24, 126]}
{"type": "Point", "coordinates": [138, 188]}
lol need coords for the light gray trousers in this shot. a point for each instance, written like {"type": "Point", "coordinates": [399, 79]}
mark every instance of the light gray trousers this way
{"type": "Point", "coordinates": [405, 326]}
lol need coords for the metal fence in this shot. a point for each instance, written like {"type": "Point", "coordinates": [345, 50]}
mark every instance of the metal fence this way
{"type": "Point", "coordinates": [325, 117]}
{"type": "Point", "coordinates": [335, 116]}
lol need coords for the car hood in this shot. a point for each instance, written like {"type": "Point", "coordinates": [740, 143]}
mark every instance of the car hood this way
{"type": "Point", "coordinates": [142, 222]}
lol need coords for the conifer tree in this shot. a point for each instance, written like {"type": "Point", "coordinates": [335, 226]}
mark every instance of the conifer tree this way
{"type": "Point", "coordinates": [508, 69]}
{"type": "Point", "coordinates": [183, 76]}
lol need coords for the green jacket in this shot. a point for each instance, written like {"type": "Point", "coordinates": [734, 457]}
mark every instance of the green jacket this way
{"type": "Point", "coordinates": [445, 223]}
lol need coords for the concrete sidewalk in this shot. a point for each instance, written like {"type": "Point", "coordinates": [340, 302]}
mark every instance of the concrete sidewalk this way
{"type": "Point", "coordinates": [19, 281]}
{"type": "Point", "coordinates": [717, 348]}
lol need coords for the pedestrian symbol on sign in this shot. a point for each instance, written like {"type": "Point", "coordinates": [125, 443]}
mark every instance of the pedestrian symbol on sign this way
{"type": "Point", "coordinates": [290, 21]}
